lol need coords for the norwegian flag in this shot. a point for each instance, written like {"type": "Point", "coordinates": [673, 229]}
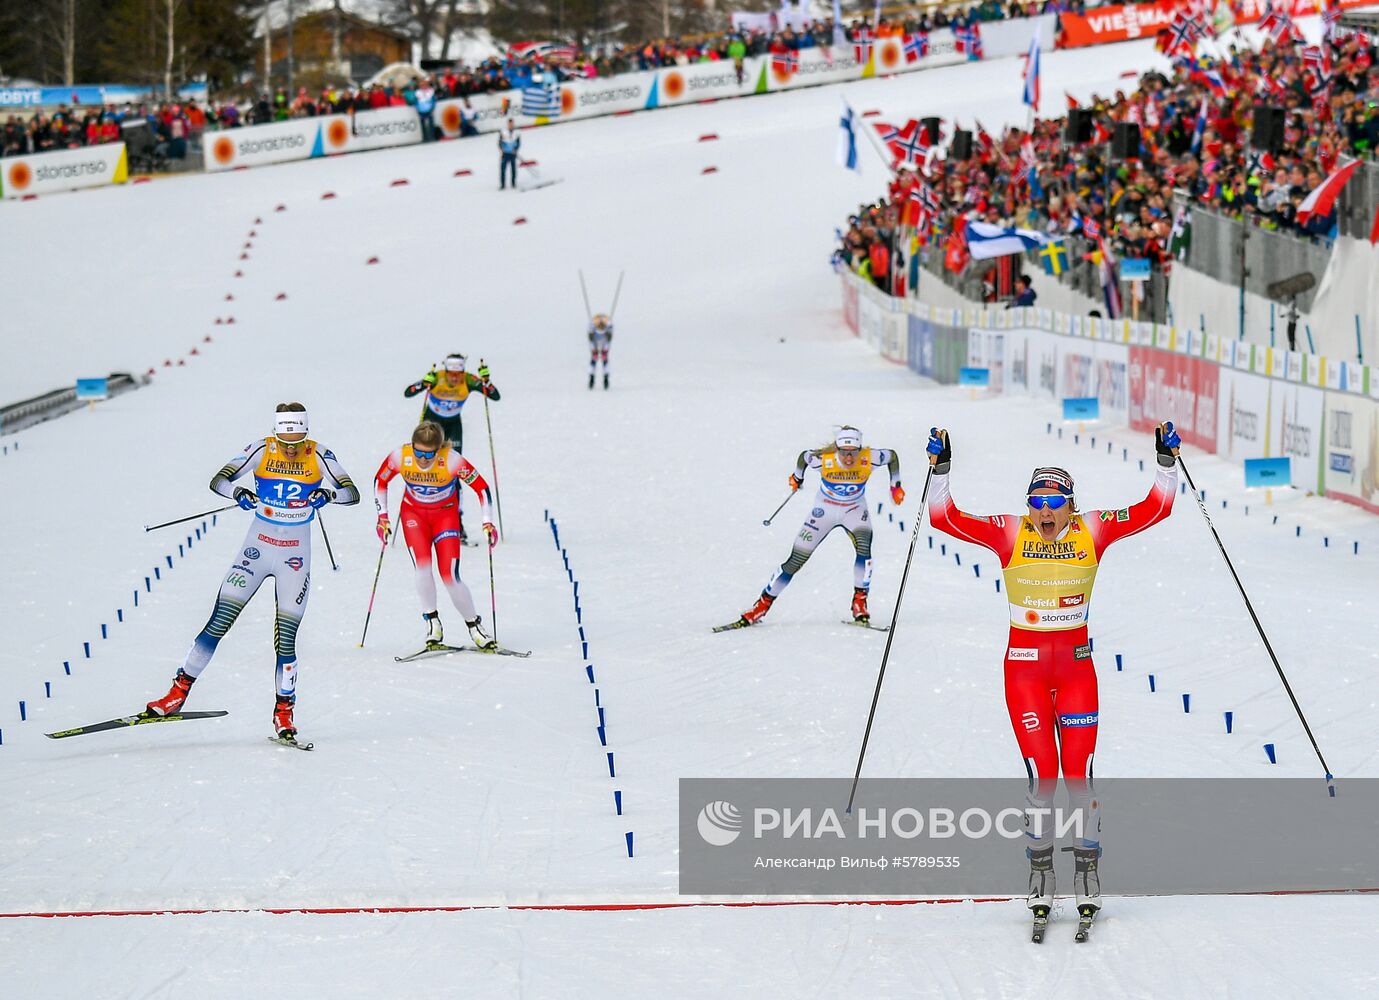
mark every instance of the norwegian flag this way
{"type": "Point", "coordinates": [916, 46]}
{"type": "Point", "coordinates": [1260, 162]}
{"type": "Point", "coordinates": [888, 133]}
{"type": "Point", "coordinates": [911, 145]}
{"type": "Point", "coordinates": [1331, 16]}
{"type": "Point", "coordinates": [785, 63]}
{"type": "Point", "coordinates": [984, 141]}
{"type": "Point", "coordinates": [862, 43]}
{"type": "Point", "coordinates": [1183, 34]}
{"type": "Point", "coordinates": [1091, 228]}
{"type": "Point", "coordinates": [968, 40]}
{"type": "Point", "coordinates": [1279, 26]}
{"type": "Point", "coordinates": [1028, 159]}
{"type": "Point", "coordinates": [1317, 59]}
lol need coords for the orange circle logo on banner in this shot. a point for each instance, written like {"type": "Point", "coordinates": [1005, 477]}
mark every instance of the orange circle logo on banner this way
{"type": "Point", "coordinates": [20, 176]}
{"type": "Point", "coordinates": [674, 85]}
{"type": "Point", "coordinates": [890, 54]}
{"type": "Point", "coordinates": [224, 149]}
{"type": "Point", "coordinates": [779, 75]}
{"type": "Point", "coordinates": [337, 133]}
{"type": "Point", "coordinates": [567, 100]}
{"type": "Point", "coordinates": [450, 118]}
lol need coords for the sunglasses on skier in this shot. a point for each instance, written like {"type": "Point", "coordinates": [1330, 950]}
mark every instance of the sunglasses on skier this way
{"type": "Point", "coordinates": [1038, 501]}
{"type": "Point", "coordinates": [425, 456]}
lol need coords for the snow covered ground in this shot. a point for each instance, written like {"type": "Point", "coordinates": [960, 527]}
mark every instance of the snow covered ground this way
{"type": "Point", "coordinates": [476, 781]}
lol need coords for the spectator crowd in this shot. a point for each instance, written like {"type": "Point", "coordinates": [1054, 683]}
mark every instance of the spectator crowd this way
{"type": "Point", "coordinates": [176, 124]}
{"type": "Point", "coordinates": [1195, 130]}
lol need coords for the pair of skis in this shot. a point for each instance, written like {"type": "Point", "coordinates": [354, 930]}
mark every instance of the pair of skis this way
{"type": "Point", "coordinates": [148, 719]}
{"type": "Point", "coordinates": [743, 623]}
{"type": "Point", "coordinates": [440, 648]}
{"type": "Point", "coordinates": [1085, 916]}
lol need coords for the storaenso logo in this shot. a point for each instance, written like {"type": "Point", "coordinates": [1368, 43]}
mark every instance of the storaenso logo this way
{"type": "Point", "coordinates": [1297, 439]}
{"type": "Point", "coordinates": [720, 823]}
{"type": "Point", "coordinates": [717, 80]}
{"type": "Point", "coordinates": [248, 147]}
{"type": "Point", "coordinates": [67, 171]}
{"type": "Point", "coordinates": [839, 62]}
{"type": "Point", "coordinates": [612, 94]}
{"type": "Point", "coordinates": [1246, 424]}
{"type": "Point", "coordinates": [387, 128]}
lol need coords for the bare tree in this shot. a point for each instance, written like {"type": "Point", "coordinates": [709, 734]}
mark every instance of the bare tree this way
{"type": "Point", "coordinates": [170, 8]}
{"type": "Point", "coordinates": [60, 25]}
{"type": "Point", "coordinates": [417, 18]}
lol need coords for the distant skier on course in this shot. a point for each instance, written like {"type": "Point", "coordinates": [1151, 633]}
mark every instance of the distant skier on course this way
{"type": "Point", "coordinates": [844, 467]}
{"type": "Point", "coordinates": [600, 339]}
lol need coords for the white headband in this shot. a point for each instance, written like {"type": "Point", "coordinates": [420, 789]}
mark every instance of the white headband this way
{"type": "Point", "coordinates": [290, 422]}
{"type": "Point", "coordinates": [848, 437]}
{"type": "Point", "coordinates": [455, 363]}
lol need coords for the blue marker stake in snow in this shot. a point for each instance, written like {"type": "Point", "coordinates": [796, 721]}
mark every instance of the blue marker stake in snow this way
{"type": "Point", "coordinates": [1183, 488]}
{"type": "Point", "coordinates": [189, 541]}
{"type": "Point", "coordinates": [1223, 505]}
{"type": "Point", "coordinates": [214, 518]}
{"type": "Point", "coordinates": [596, 696]}
{"type": "Point", "coordinates": [1151, 683]}
{"type": "Point", "coordinates": [23, 712]}
{"type": "Point", "coordinates": [1269, 749]}
{"type": "Point", "coordinates": [581, 633]}
{"type": "Point", "coordinates": [104, 631]}
{"type": "Point", "coordinates": [943, 549]}
{"type": "Point", "coordinates": [878, 508]}
{"type": "Point", "coordinates": [1185, 703]}
{"type": "Point", "coordinates": [628, 835]}
{"type": "Point", "coordinates": [180, 553]}
{"type": "Point", "coordinates": [2, 737]}
{"type": "Point", "coordinates": [1275, 519]}
{"type": "Point", "coordinates": [931, 541]}
{"type": "Point", "coordinates": [1141, 465]}
{"type": "Point", "coordinates": [1355, 548]}
{"type": "Point", "coordinates": [1077, 439]}
{"type": "Point", "coordinates": [1120, 664]}
{"type": "Point", "coordinates": [611, 773]}
{"type": "Point", "coordinates": [67, 667]}
{"type": "Point", "coordinates": [890, 517]}
{"type": "Point", "coordinates": [599, 709]}
{"type": "Point", "coordinates": [617, 801]}
{"type": "Point", "coordinates": [1125, 455]}
{"type": "Point", "coordinates": [1297, 531]}
{"type": "Point", "coordinates": [957, 558]}
{"type": "Point", "coordinates": [584, 649]}
{"type": "Point", "coordinates": [603, 737]}
{"type": "Point", "coordinates": [119, 614]}
{"type": "Point", "coordinates": [902, 527]}
{"type": "Point", "coordinates": [86, 648]}
{"type": "Point", "coordinates": [1093, 444]}
{"type": "Point", "coordinates": [1060, 433]}
{"type": "Point", "coordinates": [546, 514]}
{"type": "Point", "coordinates": [136, 598]}
{"type": "Point", "coordinates": [169, 559]}
{"type": "Point", "coordinates": [1326, 542]}
{"type": "Point", "coordinates": [998, 584]}
{"type": "Point", "coordinates": [1049, 428]}
{"type": "Point", "coordinates": [1230, 719]}
{"type": "Point", "coordinates": [1091, 644]}
{"type": "Point", "coordinates": [148, 585]}
{"type": "Point", "coordinates": [47, 689]}
{"type": "Point", "coordinates": [590, 671]}
{"type": "Point", "coordinates": [198, 534]}
{"type": "Point", "coordinates": [977, 570]}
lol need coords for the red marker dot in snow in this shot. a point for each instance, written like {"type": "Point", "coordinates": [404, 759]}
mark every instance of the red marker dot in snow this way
{"type": "Point", "coordinates": [281, 296]}
{"type": "Point", "coordinates": [167, 363]}
{"type": "Point", "coordinates": [229, 297]}
{"type": "Point", "coordinates": [218, 321]}
{"type": "Point", "coordinates": [463, 172]}
{"type": "Point", "coordinates": [153, 371]}
{"type": "Point", "coordinates": [257, 222]}
{"type": "Point", "coordinates": [229, 320]}
{"type": "Point", "coordinates": [244, 256]}
{"type": "Point", "coordinates": [400, 182]}
{"type": "Point", "coordinates": [372, 260]}
{"type": "Point", "coordinates": [181, 362]}
{"type": "Point", "coordinates": [328, 195]}
{"type": "Point", "coordinates": [521, 220]}
{"type": "Point", "coordinates": [206, 339]}
{"type": "Point", "coordinates": [281, 208]}
{"type": "Point", "coordinates": [239, 274]}
{"type": "Point", "coordinates": [709, 137]}
{"type": "Point", "coordinates": [709, 170]}
{"type": "Point", "coordinates": [194, 352]}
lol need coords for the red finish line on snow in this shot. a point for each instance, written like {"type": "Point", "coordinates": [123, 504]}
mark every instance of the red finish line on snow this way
{"type": "Point", "coordinates": [602, 907]}
{"type": "Point", "coordinates": [475, 907]}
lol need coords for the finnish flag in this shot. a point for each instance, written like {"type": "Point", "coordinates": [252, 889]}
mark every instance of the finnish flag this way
{"type": "Point", "coordinates": [847, 140]}
{"type": "Point", "coordinates": [541, 98]}
{"type": "Point", "coordinates": [985, 240]}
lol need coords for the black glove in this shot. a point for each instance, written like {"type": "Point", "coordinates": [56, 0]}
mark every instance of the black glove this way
{"type": "Point", "coordinates": [1166, 443]}
{"type": "Point", "coordinates": [942, 449]}
{"type": "Point", "coordinates": [246, 498]}
{"type": "Point", "coordinates": [318, 498]}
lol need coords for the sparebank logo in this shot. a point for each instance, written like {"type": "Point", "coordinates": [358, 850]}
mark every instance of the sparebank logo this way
{"type": "Point", "coordinates": [720, 823]}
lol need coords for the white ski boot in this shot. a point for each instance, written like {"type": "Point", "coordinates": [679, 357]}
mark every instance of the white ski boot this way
{"type": "Point", "coordinates": [435, 633]}
{"type": "Point", "coordinates": [481, 638]}
{"type": "Point", "coordinates": [1041, 888]}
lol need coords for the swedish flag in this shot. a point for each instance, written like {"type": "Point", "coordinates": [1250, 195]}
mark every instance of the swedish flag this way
{"type": "Point", "coordinates": [1054, 256]}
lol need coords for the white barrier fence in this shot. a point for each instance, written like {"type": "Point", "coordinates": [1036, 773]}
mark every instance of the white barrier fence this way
{"type": "Point", "coordinates": [1235, 399]}
{"type": "Point", "coordinates": [65, 170]}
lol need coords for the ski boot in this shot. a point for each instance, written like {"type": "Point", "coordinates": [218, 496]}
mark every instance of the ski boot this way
{"type": "Point", "coordinates": [171, 702]}
{"type": "Point", "coordinates": [435, 633]}
{"type": "Point", "coordinates": [282, 718]}
{"type": "Point", "coordinates": [1087, 884]}
{"type": "Point", "coordinates": [1041, 888]}
{"type": "Point", "coordinates": [859, 607]}
{"type": "Point", "coordinates": [605, 380]}
{"type": "Point", "coordinates": [758, 610]}
{"type": "Point", "coordinates": [481, 638]}
{"type": "Point", "coordinates": [591, 380]}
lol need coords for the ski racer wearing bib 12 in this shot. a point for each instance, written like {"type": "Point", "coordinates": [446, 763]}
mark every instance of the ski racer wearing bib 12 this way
{"type": "Point", "coordinates": [844, 468]}
{"type": "Point", "coordinates": [294, 477]}
{"type": "Point", "coordinates": [431, 473]}
{"type": "Point", "coordinates": [1049, 559]}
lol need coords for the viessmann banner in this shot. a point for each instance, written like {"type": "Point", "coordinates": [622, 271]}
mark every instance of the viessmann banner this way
{"type": "Point", "coordinates": [1124, 22]}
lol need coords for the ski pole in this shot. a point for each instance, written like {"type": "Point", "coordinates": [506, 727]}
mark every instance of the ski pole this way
{"type": "Point", "coordinates": [767, 523]}
{"type": "Point", "coordinates": [585, 292]}
{"type": "Point", "coordinates": [382, 549]}
{"type": "Point", "coordinates": [493, 463]}
{"type": "Point", "coordinates": [616, 292]}
{"type": "Point", "coordinates": [322, 522]}
{"type": "Point", "coordinates": [895, 617]}
{"type": "Point", "coordinates": [191, 517]}
{"type": "Point", "coordinates": [1258, 627]}
{"type": "Point", "coordinates": [492, 595]}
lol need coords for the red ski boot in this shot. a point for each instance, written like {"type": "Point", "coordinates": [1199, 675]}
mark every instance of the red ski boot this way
{"type": "Point", "coordinates": [758, 610]}
{"type": "Point", "coordinates": [171, 702]}
{"type": "Point", "coordinates": [859, 607]}
{"type": "Point", "coordinates": [282, 717]}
